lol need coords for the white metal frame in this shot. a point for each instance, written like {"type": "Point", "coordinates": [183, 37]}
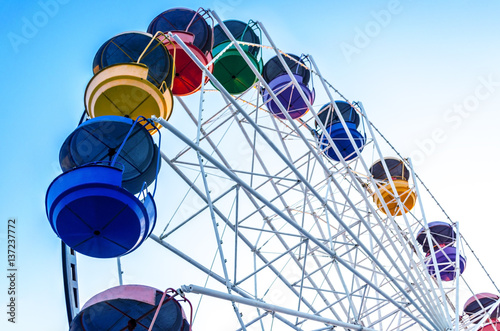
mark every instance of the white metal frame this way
{"type": "Point", "coordinates": [351, 265]}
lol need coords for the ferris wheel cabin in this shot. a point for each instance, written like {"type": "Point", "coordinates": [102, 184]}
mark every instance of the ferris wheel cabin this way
{"type": "Point", "coordinates": [480, 305]}
{"type": "Point", "coordinates": [399, 175]}
{"type": "Point", "coordinates": [334, 128]}
{"type": "Point", "coordinates": [131, 307]}
{"type": "Point", "coordinates": [90, 211]}
{"type": "Point", "coordinates": [440, 240]}
{"type": "Point", "coordinates": [138, 47]}
{"type": "Point", "coordinates": [185, 20]}
{"type": "Point", "coordinates": [101, 139]}
{"type": "Point", "coordinates": [192, 28]}
{"type": "Point", "coordinates": [274, 73]}
{"type": "Point", "coordinates": [123, 90]}
{"type": "Point", "coordinates": [441, 233]}
{"type": "Point", "coordinates": [230, 68]}
{"type": "Point", "coordinates": [133, 72]}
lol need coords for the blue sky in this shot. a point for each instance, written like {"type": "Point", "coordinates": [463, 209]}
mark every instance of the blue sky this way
{"type": "Point", "coordinates": [427, 72]}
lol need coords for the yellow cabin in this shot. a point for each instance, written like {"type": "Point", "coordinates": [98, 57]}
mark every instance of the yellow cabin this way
{"type": "Point", "coordinates": [399, 174]}
{"type": "Point", "coordinates": [123, 90]}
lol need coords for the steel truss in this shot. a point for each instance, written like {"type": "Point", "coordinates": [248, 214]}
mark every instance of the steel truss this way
{"type": "Point", "coordinates": [285, 238]}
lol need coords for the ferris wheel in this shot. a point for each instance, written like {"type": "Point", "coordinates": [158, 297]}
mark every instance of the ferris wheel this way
{"type": "Point", "coordinates": [290, 210]}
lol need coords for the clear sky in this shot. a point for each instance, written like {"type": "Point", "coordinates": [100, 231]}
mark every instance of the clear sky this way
{"type": "Point", "coordinates": [427, 72]}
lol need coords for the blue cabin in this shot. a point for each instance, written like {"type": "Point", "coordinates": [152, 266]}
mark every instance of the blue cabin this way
{"type": "Point", "coordinates": [335, 130]}
{"type": "Point", "coordinates": [91, 212]}
{"type": "Point", "coordinates": [101, 138]}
